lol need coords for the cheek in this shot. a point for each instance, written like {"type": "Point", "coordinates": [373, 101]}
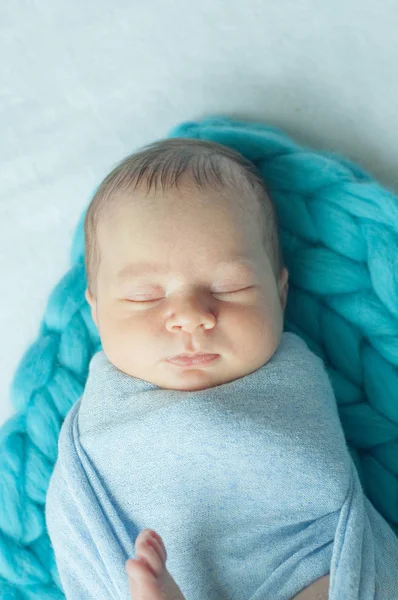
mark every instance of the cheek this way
{"type": "Point", "coordinates": [134, 331]}
{"type": "Point", "coordinates": [258, 338]}
{"type": "Point", "coordinates": [253, 330]}
{"type": "Point", "coordinates": [246, 323]}
{"type": "Point", "coordinates": [126, 343]}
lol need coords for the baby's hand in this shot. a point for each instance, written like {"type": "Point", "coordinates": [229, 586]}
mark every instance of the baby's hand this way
{"type": "Point", "coordinates": [148, 576]}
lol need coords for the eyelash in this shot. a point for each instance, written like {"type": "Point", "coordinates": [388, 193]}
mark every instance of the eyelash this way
{"type": "Point", "coordinates": [156, 299]}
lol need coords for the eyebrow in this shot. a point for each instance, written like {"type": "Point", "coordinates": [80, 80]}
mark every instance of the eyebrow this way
{"type": "Point", "coordinates": [138, 269]}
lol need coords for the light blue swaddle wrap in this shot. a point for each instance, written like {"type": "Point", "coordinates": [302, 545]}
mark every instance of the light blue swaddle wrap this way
{"type": "Point", "coordinates": [249, 483]}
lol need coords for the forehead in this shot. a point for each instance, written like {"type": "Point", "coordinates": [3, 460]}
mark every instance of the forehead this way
{"type": "Point", "coordinates": [140, 240]}
{"type": "Point", "coordinates": [139, 226]}
{"type": "Point", "coordinates": [210, 206]}
{"type": "Point", "coordinates": [210, 234]}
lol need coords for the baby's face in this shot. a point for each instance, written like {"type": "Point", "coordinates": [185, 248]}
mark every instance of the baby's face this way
{"type": "Point", "coordinates": [201, 298]}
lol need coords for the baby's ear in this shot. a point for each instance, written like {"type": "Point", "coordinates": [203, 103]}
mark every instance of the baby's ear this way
{"type": "Point", "coordinates": [283, 286]}
{"type": "Point", "coordinates": [93, 304]}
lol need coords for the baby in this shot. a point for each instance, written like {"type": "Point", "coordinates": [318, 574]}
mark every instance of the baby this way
{"type": "Point", "coordinates": [187, 287]}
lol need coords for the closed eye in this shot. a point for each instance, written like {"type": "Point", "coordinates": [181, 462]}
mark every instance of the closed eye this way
{"type": "Point", "coordinates": [217, 293]}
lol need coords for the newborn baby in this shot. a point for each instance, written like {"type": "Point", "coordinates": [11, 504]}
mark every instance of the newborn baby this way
{"type": "Point", "coordinates": [187, 287]}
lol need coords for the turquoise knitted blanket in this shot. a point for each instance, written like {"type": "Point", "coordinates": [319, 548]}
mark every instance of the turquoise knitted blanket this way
{"type": "Point", "coordinates": [339, 233]}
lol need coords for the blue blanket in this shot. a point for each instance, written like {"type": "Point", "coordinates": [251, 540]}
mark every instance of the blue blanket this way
{"type": "Point", "coordinates": [249, 483]}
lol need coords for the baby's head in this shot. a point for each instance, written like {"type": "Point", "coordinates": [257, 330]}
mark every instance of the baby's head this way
{"type": "Point", "coordinates": [193, 267]}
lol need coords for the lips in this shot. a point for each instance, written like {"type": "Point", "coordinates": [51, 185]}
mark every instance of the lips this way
{"type": "Point", "coordinates": [192, 359]}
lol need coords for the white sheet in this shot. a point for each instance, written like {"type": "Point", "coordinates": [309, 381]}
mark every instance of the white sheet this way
{"type": "Point", "coordinates": [82, 84]}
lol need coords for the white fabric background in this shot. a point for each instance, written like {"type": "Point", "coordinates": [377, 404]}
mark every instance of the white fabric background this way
{"type": "Point", "coordinates": [83, 84]}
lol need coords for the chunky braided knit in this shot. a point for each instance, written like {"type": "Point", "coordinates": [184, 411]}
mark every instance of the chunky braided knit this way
{"type": "Point", "coordinates": [339, 234]}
